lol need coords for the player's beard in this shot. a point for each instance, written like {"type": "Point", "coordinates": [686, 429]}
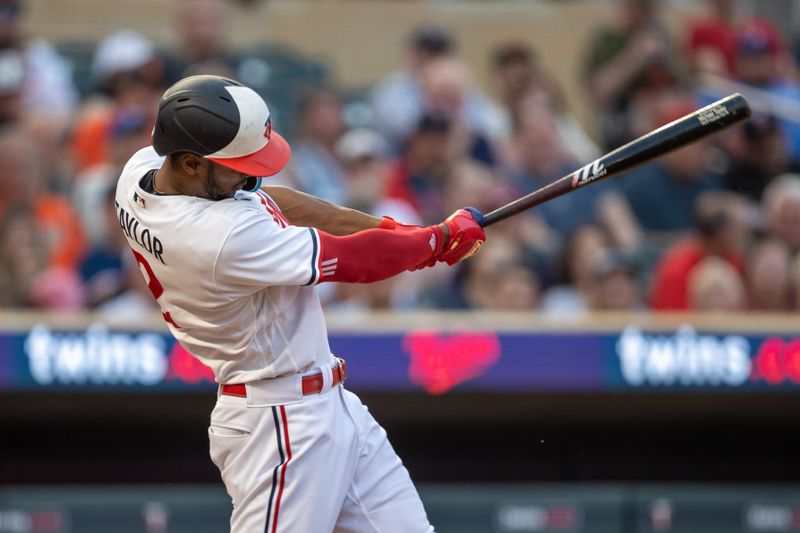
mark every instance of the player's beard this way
{"type": "Point", "coordinates": [213, 190]}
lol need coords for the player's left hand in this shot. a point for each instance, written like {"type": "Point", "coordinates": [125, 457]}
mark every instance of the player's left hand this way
{"type": "Point", "coordinates": [465, 235]}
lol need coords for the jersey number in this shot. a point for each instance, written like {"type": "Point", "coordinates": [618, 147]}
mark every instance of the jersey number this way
{"type": "Point", "coordinates": [156, 289]}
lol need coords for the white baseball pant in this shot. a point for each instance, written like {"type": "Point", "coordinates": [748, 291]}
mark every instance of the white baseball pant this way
{"type": "Point", "coordinates": [310, 464]}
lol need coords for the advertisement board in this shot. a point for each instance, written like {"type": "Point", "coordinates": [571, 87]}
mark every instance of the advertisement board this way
{"type": "Point", "coordinates": [629, 358]}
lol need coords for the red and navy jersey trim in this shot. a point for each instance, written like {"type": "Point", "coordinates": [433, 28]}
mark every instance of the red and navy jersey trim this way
{"type": "Point", "coordinates": [314, 257]}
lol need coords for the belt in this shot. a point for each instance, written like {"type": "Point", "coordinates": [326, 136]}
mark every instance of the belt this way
{"type": "Point", "coordinates": [312, 383]}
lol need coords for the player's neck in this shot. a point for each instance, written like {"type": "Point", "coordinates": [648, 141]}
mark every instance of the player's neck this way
{"type": "Point", "coordinates": [168, 180]}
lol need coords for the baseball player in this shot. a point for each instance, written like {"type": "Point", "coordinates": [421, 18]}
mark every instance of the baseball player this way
{"type": "Point", "coordinates": [233, 268]}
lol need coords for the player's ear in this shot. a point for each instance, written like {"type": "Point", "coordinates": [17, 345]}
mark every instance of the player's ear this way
{"type": "Point", "coordinates": [192, 165]}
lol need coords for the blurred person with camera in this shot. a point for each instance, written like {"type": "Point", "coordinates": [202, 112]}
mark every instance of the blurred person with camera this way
{"type": "Point", "coordinates": [521, 80]}
{"type": "Point", "coordinates": [627, 65]}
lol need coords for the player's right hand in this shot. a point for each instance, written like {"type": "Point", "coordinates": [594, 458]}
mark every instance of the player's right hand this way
{"type": "Point", "coordinates": [464, 235]}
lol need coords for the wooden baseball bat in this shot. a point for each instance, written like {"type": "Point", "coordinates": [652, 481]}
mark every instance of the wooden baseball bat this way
{"type": "Point", "coordinates": [676, 134]}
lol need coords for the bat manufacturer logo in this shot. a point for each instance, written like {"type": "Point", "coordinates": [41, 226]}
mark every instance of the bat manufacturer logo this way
{"type": "Point", "coordinates": [589, 173]}
{"type": "Point", "coordinates": [712, 114]}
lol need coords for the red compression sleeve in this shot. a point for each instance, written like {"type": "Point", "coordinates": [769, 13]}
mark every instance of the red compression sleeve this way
{"type": "Point", "coordinates": [376, 254]}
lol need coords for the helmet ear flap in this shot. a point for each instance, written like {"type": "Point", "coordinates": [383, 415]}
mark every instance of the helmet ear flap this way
{"type": "Point", "coordinates": [252, 184]}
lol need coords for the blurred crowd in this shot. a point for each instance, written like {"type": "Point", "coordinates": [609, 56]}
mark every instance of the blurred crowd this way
{"type": "Point", "coordinates": [714, 226]}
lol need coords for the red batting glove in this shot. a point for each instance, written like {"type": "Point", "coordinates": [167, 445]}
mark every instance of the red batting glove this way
{"type": "Point", "coordinates": [391, 224]}
{"type": "Point", "coordinates": [465, 235]}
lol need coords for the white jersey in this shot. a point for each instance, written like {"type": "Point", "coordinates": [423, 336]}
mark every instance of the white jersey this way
{"type": "Point", "coordinates": [232, 277]}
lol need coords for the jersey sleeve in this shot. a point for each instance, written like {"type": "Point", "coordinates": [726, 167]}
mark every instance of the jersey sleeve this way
{"type": "Point", "coordinates": [261, 251]}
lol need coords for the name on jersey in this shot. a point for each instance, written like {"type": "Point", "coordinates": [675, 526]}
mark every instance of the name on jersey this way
{"type": "Point", "coordinates": [139, 234]}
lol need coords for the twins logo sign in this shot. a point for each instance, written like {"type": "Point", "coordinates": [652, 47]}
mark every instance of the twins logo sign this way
{"type": "Point", "coordinates": [589, 173]}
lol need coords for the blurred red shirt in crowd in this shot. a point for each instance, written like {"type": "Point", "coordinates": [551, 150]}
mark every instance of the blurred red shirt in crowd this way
{"type": "Point", "coordinates": [721, 230]}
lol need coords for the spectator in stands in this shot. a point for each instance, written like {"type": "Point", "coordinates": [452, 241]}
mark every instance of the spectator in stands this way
{"type": "Point", "coordinates": [124, 63]}
{"type": "Point", "coordinates": [628, 65]}
{"type": "Point", "coordinates": [24, 186]}
{"type": "Point", "coordinates": [23, 256]}
{"type": "Point", "coordinates": [129, 74]}
{"type": "Point", "coordinates": [26, 278]}
{"type": "Point", "coordinates": [522, 81]}
{"type": "Point", "coordinates": [767, 276]}
{"type": "Point", "coordinates": [781, 208]}
{"type": "Point", "coordinates": [41, 237]}
{"type": "Point", "coordinates": [764, 156]}
{"type": "Point", "coordinates": [202, 48]}
{"type": "Point", "coordinates": [618, 287]}
{"type": "Point", "coordinates": [314, 167]}
{"type": "Point", "coordinates": [794, 275]}
{"type": "Point", "coordinates": [101, 269]}
{"type": "Point", "coordinates": [134, 303]}
{"type": "Point", "coordinates": [515, 70]}
{"type": "Point", "coordinates": [586, 249]}
{"type": "Point", "coordinates": [419, 174]}
{"type": "Point", "coordinates": [500, 280]}
{"type": "Point", "coordinates": [477, 129]}
{"type": "Point", "coordinates": [363, 154]}
{"type": "Point", "coordinates": [434, 80]}
{"type": "Point", "coordinates": [516, 288]}
{"type": "Point", "coordinates": [711, 40]}
{"type": "Point", "coordinates": [539, 157]}
{"type": "Point", "coordinates": [714, 285]}
{"type": "Point", "coordinates": [721, 230]}
{"type": "Point", "coordinates": [761, 61]}
{"type": "Point", "coordinates": [663, 194]}
{"type": "Point", "coordinates": [12, 77]}
{"type": "Point", "coordinates": [397, 99]}
{"type": "Point", "coordinates": [47, 87]}
{"type": "Point", "coordinates": [128, 132]}
{"type": "Point", "coordinates": [474, 184]}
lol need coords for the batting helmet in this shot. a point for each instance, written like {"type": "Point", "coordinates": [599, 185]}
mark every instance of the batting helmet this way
{"type": "Point", "coordinates": [223, 121]}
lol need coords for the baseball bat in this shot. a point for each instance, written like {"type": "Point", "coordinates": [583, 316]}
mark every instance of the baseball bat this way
{"type": "Point", "coordinates": [676, 134]}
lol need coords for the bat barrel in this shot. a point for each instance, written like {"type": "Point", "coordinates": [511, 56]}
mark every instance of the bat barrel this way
{"type": "Point", "coordinates": [683, 131]}
{"type": "Point", "coordinates": [696, 125]}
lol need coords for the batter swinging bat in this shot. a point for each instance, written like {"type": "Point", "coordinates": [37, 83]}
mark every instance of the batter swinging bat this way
{"type": "Point", "coordinates": [685, 130]}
